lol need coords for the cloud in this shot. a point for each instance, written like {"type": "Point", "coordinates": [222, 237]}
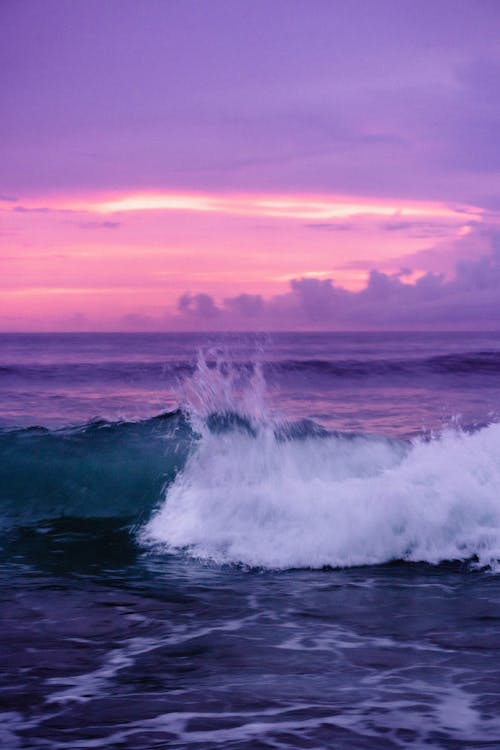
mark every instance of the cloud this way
{"type": "Point", "coordinates": [331, 226]}
{"type": "Point", "coordinates": [198, 306]}
{"type": "Point", "coordinates": [418, 229]}
{"type": "Point", "coordinates": [401, 104]}
{"type": "Point", "coordinates": [37, 210]}
{"type": "Point", "coordinates": [248, 305]}
{"type": "Point", "coordinates": [100, 225]}
{"type": "Point", "coordinates": [471, 298]}
{"type": "Point", "coordinates": [441, 257]}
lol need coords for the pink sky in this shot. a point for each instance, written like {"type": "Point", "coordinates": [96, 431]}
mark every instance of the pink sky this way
{"type": "Point", "coordinates": [78, 262]}
{"type": "Point", "coordinates": [155, 161]}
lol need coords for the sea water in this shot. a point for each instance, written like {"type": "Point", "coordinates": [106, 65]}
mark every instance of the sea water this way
{"type": "Point", "coordinates": [250, 541]}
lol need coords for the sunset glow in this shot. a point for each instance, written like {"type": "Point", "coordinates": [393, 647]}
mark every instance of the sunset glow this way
{"type": "Point", "coordinates": [287, 207]}
{"type": "Point", "coordinates": [229, 164]}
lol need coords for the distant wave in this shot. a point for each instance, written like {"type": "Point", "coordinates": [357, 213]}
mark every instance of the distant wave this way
{"type": "Point", "coordinates": [108, 371]}
{"type": "Point", "coordinates": [474, 363]}
{"type": "Point", "coordinates": [466, 362]}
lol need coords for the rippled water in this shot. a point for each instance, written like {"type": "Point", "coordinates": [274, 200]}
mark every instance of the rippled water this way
{"type": "Point", "coordinates": [304, 555]}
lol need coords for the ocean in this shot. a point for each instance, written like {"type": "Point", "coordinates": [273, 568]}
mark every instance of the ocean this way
{"type": "Point", "coordinates": [250, 541]}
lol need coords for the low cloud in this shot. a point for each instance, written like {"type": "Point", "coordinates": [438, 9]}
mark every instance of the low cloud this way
{"type": "Point", "coordinates": [100, 225]}
{"type": "Point", "coordinates": [198, 306]}
{"type": "Point", "coordinates": [470, 299]}
{"type": "Point", "coordinates": [419, 229]}
{"type": "Point", "coordinates": [331, 226]}
{"type": "Point", "coordinates": [37, 210]}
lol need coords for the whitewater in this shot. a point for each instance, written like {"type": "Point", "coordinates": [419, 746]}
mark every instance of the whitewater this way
{"type": "Point", "coordinates": [335, 500]}
{"type": "Point", "coordinates": [291, 495]}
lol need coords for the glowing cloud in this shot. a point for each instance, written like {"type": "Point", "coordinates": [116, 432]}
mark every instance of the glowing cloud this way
{"type": "Point", "coordinates": [308, 207]}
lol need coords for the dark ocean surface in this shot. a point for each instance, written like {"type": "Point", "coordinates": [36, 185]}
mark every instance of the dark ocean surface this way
{"type": "Point", "coordinates": [250, 541]}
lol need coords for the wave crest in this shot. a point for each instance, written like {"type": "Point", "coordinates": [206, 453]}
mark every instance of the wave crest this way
{"type": "Point", "coordinates": [335, 501]}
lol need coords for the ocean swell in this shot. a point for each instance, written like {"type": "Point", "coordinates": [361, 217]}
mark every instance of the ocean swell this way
{"type": "Point", "coordinates": [99, 470]}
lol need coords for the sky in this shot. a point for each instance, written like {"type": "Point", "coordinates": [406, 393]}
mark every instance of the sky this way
{"type": "Point", "coordinates": [233, 165]}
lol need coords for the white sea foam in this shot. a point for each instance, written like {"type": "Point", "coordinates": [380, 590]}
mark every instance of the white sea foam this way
{"type": "Point", "coordinates": [335, 501]}
{"type": "Point", "coordinates": [247, 496]}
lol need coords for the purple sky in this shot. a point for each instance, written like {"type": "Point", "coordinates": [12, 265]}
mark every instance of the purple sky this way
{"type": "Point", "coordinates": [377, 99]}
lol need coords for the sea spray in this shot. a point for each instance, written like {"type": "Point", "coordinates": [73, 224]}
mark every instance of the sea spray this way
{"type": "Point", "coordinates": [220, 387]}
{"type": "Point", "coordinates": [255, 493]}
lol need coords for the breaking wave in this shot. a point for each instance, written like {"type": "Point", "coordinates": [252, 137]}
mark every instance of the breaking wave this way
{"type": "Point", "coordinates": [222, 480]}
{"type": "Point", "coordinates": [335, 501]}
{"type": "Point", "coordinates": [282, 497]}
